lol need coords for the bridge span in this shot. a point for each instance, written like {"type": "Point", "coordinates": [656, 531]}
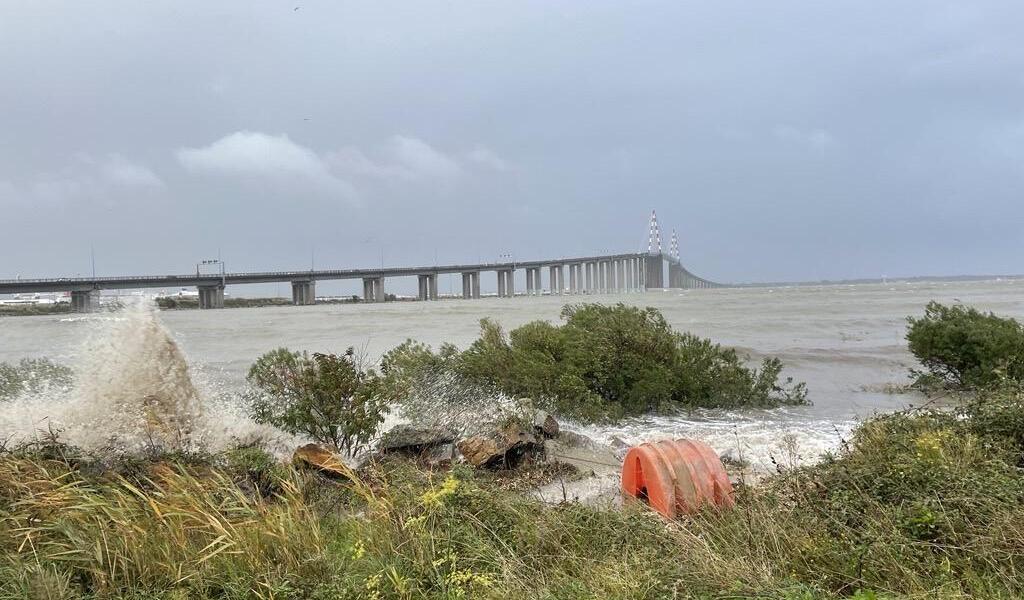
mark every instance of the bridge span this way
{"type": "Point", "coordinates": [613, 273]}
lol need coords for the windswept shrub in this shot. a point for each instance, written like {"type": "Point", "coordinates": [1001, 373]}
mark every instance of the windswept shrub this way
{"type": "Point", "coordinates": [32, 375]}
{"type": "Point", "coordinates": [432, 393]}
{"type": "Point", "coordinates": [327, 397]}
{"type": "Point", "coordinates": [962, 347]}
{"type": "Point", "coordinates": [605, 362]}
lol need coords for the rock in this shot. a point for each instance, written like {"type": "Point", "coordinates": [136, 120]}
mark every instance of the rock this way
{"type": "Point", "coordinates": [414, 440]}
{"type": "Point", "coordinates": [545, 424]}
{"type": "Point", "coordinates": [436, 455]}
{"type": "Point", "coordinates": [619, 446]}
{"type": "Point", "coordinates": [502, 448]}
{"type": "Point", "coordinates": [480, 450]}
{"type": "Point", "coordinates": [571, 438]}
{"type": "Point", "coordinates": [321, 459]}
{"type": "Point", "coordinates": [731, 457]}
{"type": "Point", "coordinates": [618, 443]}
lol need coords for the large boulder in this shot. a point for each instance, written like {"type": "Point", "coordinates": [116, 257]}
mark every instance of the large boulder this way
{"type": "Point", "coordinates": [316, 457]}
{"type": "Point", "coordinates": [502, 448]}
{"type": "Point", "coordinates": [414, 440]}
{"type": "Point", "coordinates": [432, 445]}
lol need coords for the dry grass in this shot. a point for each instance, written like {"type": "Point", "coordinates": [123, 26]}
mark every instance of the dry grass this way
{"type": "Point", "coordinates": [177, 531]}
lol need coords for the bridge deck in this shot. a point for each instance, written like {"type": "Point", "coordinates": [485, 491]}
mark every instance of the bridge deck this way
{"type": "Point", "coordinates": [61, 284]}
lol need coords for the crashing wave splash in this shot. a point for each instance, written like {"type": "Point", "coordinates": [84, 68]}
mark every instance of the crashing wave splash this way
{"type": "Point", "coordinates": [133, 392]}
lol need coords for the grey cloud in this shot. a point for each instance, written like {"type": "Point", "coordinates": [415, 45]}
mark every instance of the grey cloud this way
{"type": "Point", "coordinates": [795, 140]}
{"type": "Point", "coordinates": [86, 180]}
{"type": "Point", "coordinates": [486, 157]}
{"type": "Point", "coordinates": [256, 154]}
{"type": "Point", "coordinates": [120, 171]}
{"type": "Point", "coordinates": [411, 159]}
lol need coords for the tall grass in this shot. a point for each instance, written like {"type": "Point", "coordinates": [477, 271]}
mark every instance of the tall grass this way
{"type": "Point", "coordinates": [176, 532]}
{"type": "Point", "coordinates": [917, 505]}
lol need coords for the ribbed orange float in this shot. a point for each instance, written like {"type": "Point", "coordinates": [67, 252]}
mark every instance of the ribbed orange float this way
{"type": "Point", "coordinates": [676, 477]}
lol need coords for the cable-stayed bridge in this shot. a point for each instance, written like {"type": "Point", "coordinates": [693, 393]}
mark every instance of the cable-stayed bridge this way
{"type": "Point", "coordinates": [603, 274]}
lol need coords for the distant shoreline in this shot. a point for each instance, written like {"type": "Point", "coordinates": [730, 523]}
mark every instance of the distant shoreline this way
{"type": "Point", "coordinates": [191, 303]}
{"type": "Point", "coordinates": [914, 279]}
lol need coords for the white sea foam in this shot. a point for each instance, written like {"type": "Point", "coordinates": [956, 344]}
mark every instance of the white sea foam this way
{"type": "Point", "coordinates": [764, 439]}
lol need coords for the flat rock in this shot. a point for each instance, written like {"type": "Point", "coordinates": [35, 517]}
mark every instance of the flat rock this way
{"type": "Point", "coordinates": [412, 439]}
{"type": "Point", "coordinates": [321, 459]}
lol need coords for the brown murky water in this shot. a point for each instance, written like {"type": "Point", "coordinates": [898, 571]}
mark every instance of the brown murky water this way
{"type": "Point", "coordinates": [846, 342]}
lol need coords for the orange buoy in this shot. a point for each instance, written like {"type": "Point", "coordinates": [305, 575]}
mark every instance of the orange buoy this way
{"type": "Point", "coordinates": [676, 477]}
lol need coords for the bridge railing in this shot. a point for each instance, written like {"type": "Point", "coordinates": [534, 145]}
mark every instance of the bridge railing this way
{"type": "Point", "coordinates": [311, 273]}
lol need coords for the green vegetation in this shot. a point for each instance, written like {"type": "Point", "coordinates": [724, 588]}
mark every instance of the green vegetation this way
{"type": "Point", "coordinates": [918, 504]}
{"type": "Point", "coordinates": [177, 303]}
{"type": "Point", "coordinates": [963, 348]}
{"type": "Point", "coordinates": [327, 397]}
{"type": "Point", "coordinates": [32, 375]}
{"type": "Point", "coordinates": [602, 362]}
{"type": "Point", "coordinates": [29, 310]}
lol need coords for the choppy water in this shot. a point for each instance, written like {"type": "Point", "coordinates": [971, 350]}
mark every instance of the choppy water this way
{"type": "Point", "coordinates": [846, 342]}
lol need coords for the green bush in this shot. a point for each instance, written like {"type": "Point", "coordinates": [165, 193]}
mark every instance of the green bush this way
{"type": "Point", "coordinates": [32, 375]}
{"type": "Point", "coordinates": [962, 347]}
{"type": "Point", "coordinates": [604, 362]}
{"type": "Point", "coordinates": [327, 397]}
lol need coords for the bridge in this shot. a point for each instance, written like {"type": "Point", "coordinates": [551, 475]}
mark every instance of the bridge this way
{"type": "Point", "coordinates": [604, 274]}
{"type": "Point", "coordinates": [616, 273]}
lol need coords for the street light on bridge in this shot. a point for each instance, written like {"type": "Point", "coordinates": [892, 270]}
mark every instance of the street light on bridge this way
{"type": "Point", "coordinates": [213, 261]}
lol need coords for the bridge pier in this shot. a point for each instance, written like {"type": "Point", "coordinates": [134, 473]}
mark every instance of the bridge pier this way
{"type": "Point", "coordinates": [303, 293]}
{"type": "Point", "coordinates": [211, 296]}
{"type": "Point", "coordinates": [556, 276]}
{"type": "Point", "coordinates": [573, 279]}
{"type": "Point", "coordinates": [653, 272]}
{"type": "Point", "coordinates": [82, 301]}
{"type": "Point", "coordinates": [471, 284]}
{"type": "Point", "coordinates": [506, 283]}
{"type": "Point", "coordinates": [533, 285]}
{"type": "Point", "coordinates": [373, 289]}
{"type": "Point", "coordinates": [428, 286]}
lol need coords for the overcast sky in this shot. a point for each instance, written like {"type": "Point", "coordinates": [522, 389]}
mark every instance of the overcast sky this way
{"type": "Point", "coordinates": [782, 140]}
